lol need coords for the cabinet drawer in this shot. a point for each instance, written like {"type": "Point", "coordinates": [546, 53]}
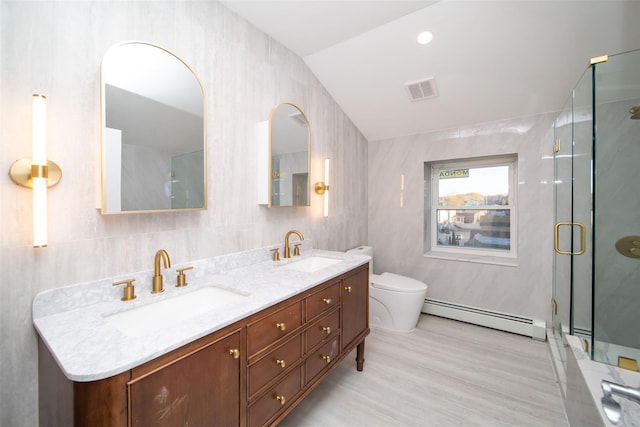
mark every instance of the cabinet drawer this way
{"type": "Point", "coordinates": [322, 329]}
{"type": "Point", "coordinates": [268, 330]}
{"type": "Point", "coordinates": [277, 398]}
{"type": "Point", "coordinates": [273, 364]}
{"type": "Point", "coordinates": [321, 358]}
{"type": "Point", "coordinates": [323, 300]}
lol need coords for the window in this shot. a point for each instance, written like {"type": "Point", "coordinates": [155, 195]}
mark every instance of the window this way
{"type": "Point", "coordinates": [470, 207]}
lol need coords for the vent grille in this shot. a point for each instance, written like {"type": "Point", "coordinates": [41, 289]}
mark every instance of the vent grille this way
{"type": "Point", "coordinates": [422, 89]}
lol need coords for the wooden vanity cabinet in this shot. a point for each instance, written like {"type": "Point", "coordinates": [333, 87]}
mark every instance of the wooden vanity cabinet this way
{"type": "Point", "coordinates": [251, 373]}
{"type": "Point", "coordinates": [200, 388]}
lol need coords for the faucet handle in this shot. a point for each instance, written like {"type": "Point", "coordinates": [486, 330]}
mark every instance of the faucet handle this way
{"type": "Point", "coordinates": [276, 254]}
{"type": "Point", "coordinates": [296, 249]}
{"type": "Point", "coordinates": [182, 279]}
{"type": "Point", "coordinates": [129, 290]}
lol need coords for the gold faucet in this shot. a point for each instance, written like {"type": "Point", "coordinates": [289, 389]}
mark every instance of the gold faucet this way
{"type": "Point", "coordinates": [157, 277]}
{"type": "Point", "coordinates": [287, 251]}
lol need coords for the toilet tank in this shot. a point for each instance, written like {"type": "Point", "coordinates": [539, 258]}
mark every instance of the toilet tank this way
{"type": "Point", "coordinates": [364, 250]}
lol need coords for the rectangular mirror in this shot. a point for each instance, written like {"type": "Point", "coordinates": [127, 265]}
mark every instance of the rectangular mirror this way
{"type": "Point", "coordinates": [153, 132]}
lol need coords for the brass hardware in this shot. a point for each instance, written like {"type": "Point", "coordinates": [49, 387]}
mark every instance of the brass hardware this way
{"type": "Point", "coordinates": [22, 172]}
{"type": "Point", "coordinates": [181, 281]}
{"type": "Point", "coordinates": [157, 277]}
{"type": "Point", "coordinates": [583, 238]}
{"type": "Point", "coordinates": [556, 146]}
{"type": "Point", "coordinates": [585, 345]}
{"type": "Point", "coordinates": [321, 187]}
{"type": "Point", "coordinates": [235, 353]}
{"type": "Point", "coordinates": [281, 326]}
{"type": "Point", "coordinates": [281, 399]}
{"type": "Point", "coordinates": [626, 363]}
{"type": "Point", "coordinates": [296, 249]}
{"type": "Point", "coordinates": [327, 300]}
{"type": "Point", "coordinates": [629, 246]}
{"type": "Point", "coordinates": [599, 59]}
{"type": "Point", "coordinates": [326, 358]}
{"type": "Point", "coordinates": [287, 251]}
{"type": "Point", "coordinates": [281, 363]}
{"type": "Point", "coordinates": [348, 289]}
{"type": "Point", "coordinates": [554, 306]}
{"type": "Point", "coordinates": [129, 290]}
{"type": "Point", "coordinates": [327, 329]}
{"type": "Point", "coordinates": [276, 254]}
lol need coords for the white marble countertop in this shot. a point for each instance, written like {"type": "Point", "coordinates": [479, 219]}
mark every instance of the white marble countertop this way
{"type": "Point", "coordinates": [72, 320]}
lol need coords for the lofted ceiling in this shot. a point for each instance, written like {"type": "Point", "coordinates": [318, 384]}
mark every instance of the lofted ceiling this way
{"type": "Point", "coordinates": [490, 60]}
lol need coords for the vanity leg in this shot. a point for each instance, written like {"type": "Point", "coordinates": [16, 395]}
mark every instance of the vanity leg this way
{"type": "Point", "coordinates": [360, 356]}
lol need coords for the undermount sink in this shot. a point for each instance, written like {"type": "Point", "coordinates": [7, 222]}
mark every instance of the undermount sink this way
{"type": "Point", "coordinates": [311, 264]}
{"type": "Point", "coordinates": [171, 311]}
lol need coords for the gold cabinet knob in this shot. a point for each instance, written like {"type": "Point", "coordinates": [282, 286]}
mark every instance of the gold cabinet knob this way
{"type": "Point", "coordinates": [326, 358]}
{"type": "Point", "coordinates": [281, 399]}
{"type": "Point", "coordinates": [281, 362]}
{"type": "Point", "coordinates": [347, 288]}
{"type": "Point", "coordinates": [235, 353]}
{"type": "Point", "coordinates": [326, 300]}
{"type": "Point", "coordinates": [281, 326]}
{"type": "Point", "coordinates": [326, 329]}
{"type": "Point", "coordinates": [129, 290]}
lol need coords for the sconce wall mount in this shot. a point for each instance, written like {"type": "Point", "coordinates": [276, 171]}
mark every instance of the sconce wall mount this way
{"type": "Point", "coordinates": [23, 171]}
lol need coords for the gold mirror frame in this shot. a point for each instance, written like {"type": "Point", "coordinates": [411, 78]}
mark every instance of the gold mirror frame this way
{"type": "Point", "coordinates": [169, 179]}
{"type": "Point", "coordinates": [298, 118]}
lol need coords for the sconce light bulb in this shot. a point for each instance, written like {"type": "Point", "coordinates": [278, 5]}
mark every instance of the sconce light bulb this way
{"type": "Point", "coordinates": [326, 193]}
{"type": "Point", "coordinates": [39, 162]}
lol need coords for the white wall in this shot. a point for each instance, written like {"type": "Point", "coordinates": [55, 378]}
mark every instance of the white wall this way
{"type": "Point", "coordinates": [55, 48]}
{"type": "Point", "coordinates": [397, 232]}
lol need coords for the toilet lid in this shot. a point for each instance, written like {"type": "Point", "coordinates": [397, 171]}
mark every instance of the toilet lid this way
{"type": "Point", "coordinates": [395, 282]}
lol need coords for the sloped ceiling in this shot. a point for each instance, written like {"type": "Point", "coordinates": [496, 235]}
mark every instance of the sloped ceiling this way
{"type": "Point", "coordinates": [491, 60]}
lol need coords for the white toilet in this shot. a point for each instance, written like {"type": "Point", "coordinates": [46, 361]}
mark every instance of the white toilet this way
{"type": "Point", "coordinates": [395, 301]}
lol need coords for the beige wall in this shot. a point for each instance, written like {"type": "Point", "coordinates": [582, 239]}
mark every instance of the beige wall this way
{"type": "Point", "coordinates": [55, 48]}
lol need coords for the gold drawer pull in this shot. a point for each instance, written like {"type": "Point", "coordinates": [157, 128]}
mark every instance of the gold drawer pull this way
{"type": "Point", "coordinates": [347, 288]}
{"type": "Point", "coordinates": [281, 326]}
{"type": "Point", "coordinates": [235, 353]}
{"type": "Point", "coordinates": [326, 358]}
{"type": "Point", "coordinates": [326, 300]}
{"type": "Point", "coordinates": [281, 363]}
{"type": "Point", "coordinates": [281, 399]}
{"type": "Point", "coordinates": [327, 329]}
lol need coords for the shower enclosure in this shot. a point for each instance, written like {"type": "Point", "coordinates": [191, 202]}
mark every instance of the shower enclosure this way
{"type": "Point", "coordinates": [596, 287]}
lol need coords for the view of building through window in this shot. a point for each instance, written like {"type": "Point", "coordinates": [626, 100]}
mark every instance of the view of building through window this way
{"type": "Point", "coordinates": [472, 204]}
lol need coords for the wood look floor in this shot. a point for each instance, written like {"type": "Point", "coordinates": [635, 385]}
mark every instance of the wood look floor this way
{"type": "Point", "coordinates": [446, 373]}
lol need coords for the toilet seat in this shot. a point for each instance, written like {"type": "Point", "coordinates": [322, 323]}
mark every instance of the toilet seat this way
{"type": "Point", "coordinates": [397, 283]}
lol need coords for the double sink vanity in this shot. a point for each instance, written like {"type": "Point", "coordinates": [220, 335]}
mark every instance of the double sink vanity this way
{"type": "Point", "coordinates": [241, 345]}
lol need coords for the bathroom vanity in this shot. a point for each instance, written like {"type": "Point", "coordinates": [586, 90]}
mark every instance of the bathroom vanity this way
{"type": "Point", "coordinates": [251, 371]}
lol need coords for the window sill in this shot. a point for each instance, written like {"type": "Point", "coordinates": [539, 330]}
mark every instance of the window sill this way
{"type": "Point", "coordinates": [479, 259]}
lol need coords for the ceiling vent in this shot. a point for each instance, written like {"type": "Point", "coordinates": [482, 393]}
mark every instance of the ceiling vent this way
{"type": "Point", "coordinates": [422, 89]}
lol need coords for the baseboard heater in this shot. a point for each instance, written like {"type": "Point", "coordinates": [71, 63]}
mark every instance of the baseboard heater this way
{"type": "Point", "coordinates": [492, 319]}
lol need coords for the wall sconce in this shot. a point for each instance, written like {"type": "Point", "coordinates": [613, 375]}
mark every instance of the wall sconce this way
{"type": "Point", "coordinates": [37, 173]}
{"type": "Point", "coordinates": [322, 188]}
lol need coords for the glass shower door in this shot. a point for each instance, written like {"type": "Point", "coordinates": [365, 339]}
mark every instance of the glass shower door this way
{"type": "Point", "coordinates": [617, 210]}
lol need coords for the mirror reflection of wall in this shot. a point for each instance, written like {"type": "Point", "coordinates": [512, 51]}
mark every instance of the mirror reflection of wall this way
{"type": "Point", "coordinates": [290, 148]}
{"type": "Point", "coordinates": [154, 141]}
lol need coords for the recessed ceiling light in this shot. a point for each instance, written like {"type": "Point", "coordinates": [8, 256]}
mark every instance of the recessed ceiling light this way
{"type": "Point", "coordinates": [425, 37]}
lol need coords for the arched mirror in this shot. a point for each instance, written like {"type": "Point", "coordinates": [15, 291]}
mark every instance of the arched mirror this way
{"type": "Point", "coordinates": [290, 143]}
{"type": "Point", "coordinates": [153, 132]}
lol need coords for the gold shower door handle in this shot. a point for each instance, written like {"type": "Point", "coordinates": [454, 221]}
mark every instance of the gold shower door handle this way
{"type": "Point", "coordinates": [583, 238]}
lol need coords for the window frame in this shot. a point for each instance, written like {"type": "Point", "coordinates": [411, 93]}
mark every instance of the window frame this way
{"type": "Point", "coordinates": [432, 249]}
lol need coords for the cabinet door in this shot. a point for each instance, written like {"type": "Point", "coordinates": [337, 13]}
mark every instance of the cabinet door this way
{"type": "Point", "coordinates": [355, 306]}
{"type": "Point", "coordinates": [202, 389]}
